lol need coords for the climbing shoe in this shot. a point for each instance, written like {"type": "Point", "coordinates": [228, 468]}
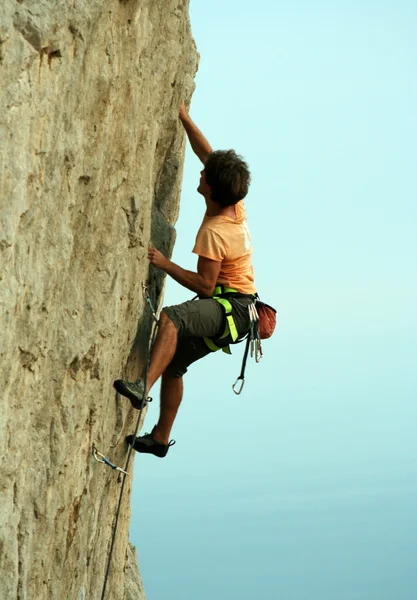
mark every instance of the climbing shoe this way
{"type": "Point", "coordinates": [146, 444]}
{"type": "Point", "coordinates": [134, 390]}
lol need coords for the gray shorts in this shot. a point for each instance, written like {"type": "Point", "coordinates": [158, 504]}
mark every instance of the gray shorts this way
{"type": "Point", "coordinates": [198, 319]}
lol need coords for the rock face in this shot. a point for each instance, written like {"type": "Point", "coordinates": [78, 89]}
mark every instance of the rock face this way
{"type": "Point", "coordinates": [91, 165]}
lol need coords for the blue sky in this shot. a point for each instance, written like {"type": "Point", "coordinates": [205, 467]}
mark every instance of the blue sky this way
{"type": "Point", "coordinates": [304, 487]}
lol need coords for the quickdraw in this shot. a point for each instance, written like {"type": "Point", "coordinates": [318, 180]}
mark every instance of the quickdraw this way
{"type": "Point", "coordinates": [99, 457]}
{"type": "Point", "coordinates": [253, 342]}
{"type": "Point", "coordinates": [148, 300]}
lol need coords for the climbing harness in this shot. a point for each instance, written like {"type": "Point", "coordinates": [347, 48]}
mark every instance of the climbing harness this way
{"type": "Point", "coordinates": [125, 470]}
{"type": "Point", "coordinates": [253, 338]}
{"type": "Point", "coordinates": [230, 328]}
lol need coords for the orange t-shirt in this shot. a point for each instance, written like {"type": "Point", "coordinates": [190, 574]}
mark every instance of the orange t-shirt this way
{"type": "Point", "coordinates": [228, 240]}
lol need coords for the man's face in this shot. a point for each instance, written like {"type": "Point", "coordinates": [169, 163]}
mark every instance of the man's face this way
{"type": "Point", "coordinates": [203, 187]}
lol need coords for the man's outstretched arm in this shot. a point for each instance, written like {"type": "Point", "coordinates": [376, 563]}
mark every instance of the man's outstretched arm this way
{"type": "Point", "coordinates": [202, 283]}
{"type": "Point", "coordinates": [198, 142]}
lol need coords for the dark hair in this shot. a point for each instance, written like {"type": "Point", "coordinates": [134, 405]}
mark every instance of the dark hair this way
{"type": "Point", "coordinates": [228, 176]}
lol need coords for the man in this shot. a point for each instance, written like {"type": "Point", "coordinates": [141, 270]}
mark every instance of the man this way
{"type": "Point", "coordinates": [190, 331]}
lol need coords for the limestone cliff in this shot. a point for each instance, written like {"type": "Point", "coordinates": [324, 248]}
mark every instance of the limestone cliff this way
{"type": "Point", "coordinates": [91, 166]}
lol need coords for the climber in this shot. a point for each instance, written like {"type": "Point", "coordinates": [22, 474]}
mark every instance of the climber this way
{"type": "Point", "coordinates": [224, 283]}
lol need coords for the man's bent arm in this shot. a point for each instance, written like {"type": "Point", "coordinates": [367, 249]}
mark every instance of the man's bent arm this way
{"type": "Point", "coordinates": [202, 283]}
{"type": "Point", "coordinates": [198, 142]}
{"type": "Point", "coordinates": [195, 282]}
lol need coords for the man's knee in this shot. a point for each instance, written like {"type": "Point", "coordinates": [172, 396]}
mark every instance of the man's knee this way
{"type": "Point", "coordinates": [171, 374]}
{"type": "Point", "coordinates": [165, 320]}
{"type": "Point", "coordinates": [163, 317]}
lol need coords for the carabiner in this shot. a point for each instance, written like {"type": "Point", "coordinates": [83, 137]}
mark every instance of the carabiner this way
{"type": "Point", "coordinates": [241, 385]}
{"type": "Point", "coordinates": [252, 313]}
{"type": "Point", "coordinates": [258, 353]}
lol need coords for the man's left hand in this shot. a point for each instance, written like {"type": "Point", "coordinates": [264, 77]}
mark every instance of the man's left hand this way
{"type": "Point", "coordinates": [156, 258]}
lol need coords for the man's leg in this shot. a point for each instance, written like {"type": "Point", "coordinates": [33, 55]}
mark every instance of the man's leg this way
{"type": "Point", "coordinates": [163, 350]}
{"type": "Point", "coordinates": [179, 343]}
{"type": "Point", "coordinates": [189, 350]}
{"type": "Point", "coordinates": [162, 353]}
{"type": "Point", "coordinates": [171, 396]}
{"type": "Point", "coordinates": [195, 318]}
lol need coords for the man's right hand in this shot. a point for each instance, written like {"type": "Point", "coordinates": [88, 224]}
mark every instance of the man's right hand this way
{"type": "Point", "coordinates": [183, 112]}
{"type": "Point", "coordinates": [198, 142]}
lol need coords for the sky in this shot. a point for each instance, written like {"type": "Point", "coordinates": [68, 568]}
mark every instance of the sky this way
{"type": "Point", "coordinates": [303, 487]}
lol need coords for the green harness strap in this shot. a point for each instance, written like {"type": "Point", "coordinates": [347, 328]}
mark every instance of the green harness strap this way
{"type": "Point", "coordinates": [222, 289]}
{"type": "Point", "coordinates": [230, 323]}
